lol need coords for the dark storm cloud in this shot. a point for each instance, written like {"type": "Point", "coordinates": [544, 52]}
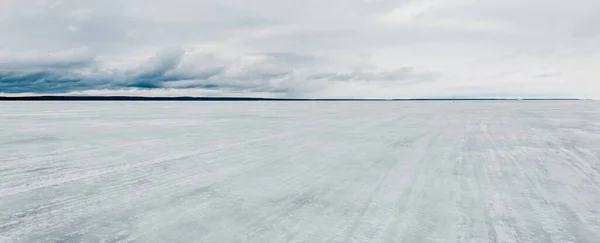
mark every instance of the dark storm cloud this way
{"type": "Point", "coordinates": [162, 70]}
{"type": "Point", "coordinates": [42, 82]}
{"type": "Point", "coordinates": [64, 74]}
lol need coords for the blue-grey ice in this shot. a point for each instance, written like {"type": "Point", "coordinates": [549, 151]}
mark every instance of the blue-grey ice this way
{"type": "Point", "coordinates": [499, 171]}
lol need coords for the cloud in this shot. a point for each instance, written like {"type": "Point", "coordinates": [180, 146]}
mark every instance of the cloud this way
{"type": "Point", "coordinates": [160, 71]}
{"type": "Point", "coordinates": [404, 74]}
{"type": "Point", "coordinates": [306, 48]}
{"type": "Point", "coordinates": [548, 75]}
{"type": "Point", "coordinates": [72, 58]}
{"type": "Point", "coordinates": [152, 72]}
{"type": "Point", "coordinates": [158, 65]}
{"type": "Point", "coordinates": [41, 81]}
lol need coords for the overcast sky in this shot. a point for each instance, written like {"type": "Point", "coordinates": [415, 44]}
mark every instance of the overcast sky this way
{"type": "Point", "coordinates": [303, 49]}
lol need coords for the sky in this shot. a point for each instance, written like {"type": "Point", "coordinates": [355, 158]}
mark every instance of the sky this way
{"type": "Point", "coordinates": [301, 49]}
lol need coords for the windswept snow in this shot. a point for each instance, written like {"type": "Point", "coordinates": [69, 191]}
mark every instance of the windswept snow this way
{"type": "Point", "coordinates": [500, 171]}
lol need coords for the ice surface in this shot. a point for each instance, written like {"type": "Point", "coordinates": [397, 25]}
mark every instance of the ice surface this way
{"type": "Point", "coordinates": [500, 171]}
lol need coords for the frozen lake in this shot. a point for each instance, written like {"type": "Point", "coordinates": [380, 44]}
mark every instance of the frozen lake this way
{"type": "Point", "coordinates": [498, 171]}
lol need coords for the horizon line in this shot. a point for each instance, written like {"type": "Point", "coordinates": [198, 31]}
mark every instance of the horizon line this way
{"type": "Point", "coordinates": [234, 98]}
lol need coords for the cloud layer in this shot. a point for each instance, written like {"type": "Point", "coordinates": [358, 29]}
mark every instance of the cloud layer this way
{"type": "Point", "coordinates": [341, 49]}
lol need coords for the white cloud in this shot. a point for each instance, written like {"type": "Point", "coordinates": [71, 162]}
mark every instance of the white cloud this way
{"type": "Point", "coordinates": [358, 47]}
{"type": "Point", "coordinates": [410, 11]}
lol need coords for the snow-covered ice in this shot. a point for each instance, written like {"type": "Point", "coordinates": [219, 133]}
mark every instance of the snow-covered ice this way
{"type": "Point", "coordinates": [473, 171]}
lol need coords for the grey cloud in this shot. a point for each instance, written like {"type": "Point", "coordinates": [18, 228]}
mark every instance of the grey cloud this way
{"type": "Point", "coordinates": [43, 82]}
{"type": "Point", "coordinates": [404, 74]}
{"type": "Point", "coordinates": [548, 75]}
{"type": "Point", "coordinates": [36, 62]}
{"type": "Point", "coordinates": [297, 48]}
{"type": "Point", "coordinates": [587, 27]}
{"type": "Point", "coordinates": [153, 71]}
{"type": "Point", "coordinates": [162, 70]}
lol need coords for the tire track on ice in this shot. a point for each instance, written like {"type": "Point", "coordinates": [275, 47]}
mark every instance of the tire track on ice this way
{"type": "Point", "coordinates": [412, 218]}
{"type": "Point", "coordinates": [366, 228]}
{"type": "Point", "coordinates": [77, 206]}
{"type": "Point", "coordinates": [384, 164]}
{"type": "Point", "coordinates": [371, 222]}
{"type": "Point", "coordinates": [263, 223]}
{"type": "Point", "coordinates": [11, 191]}
{"type": "Point", "coordinates": [117, 188]}
{"type": "Point", "coordinates": [470, 202]}
{"type": "Point", "coordinates": [500, 209]}
{"type": "Point", "coordinates": [574, 224]}
{"type": "Point", "coordinates": [158, 201]}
